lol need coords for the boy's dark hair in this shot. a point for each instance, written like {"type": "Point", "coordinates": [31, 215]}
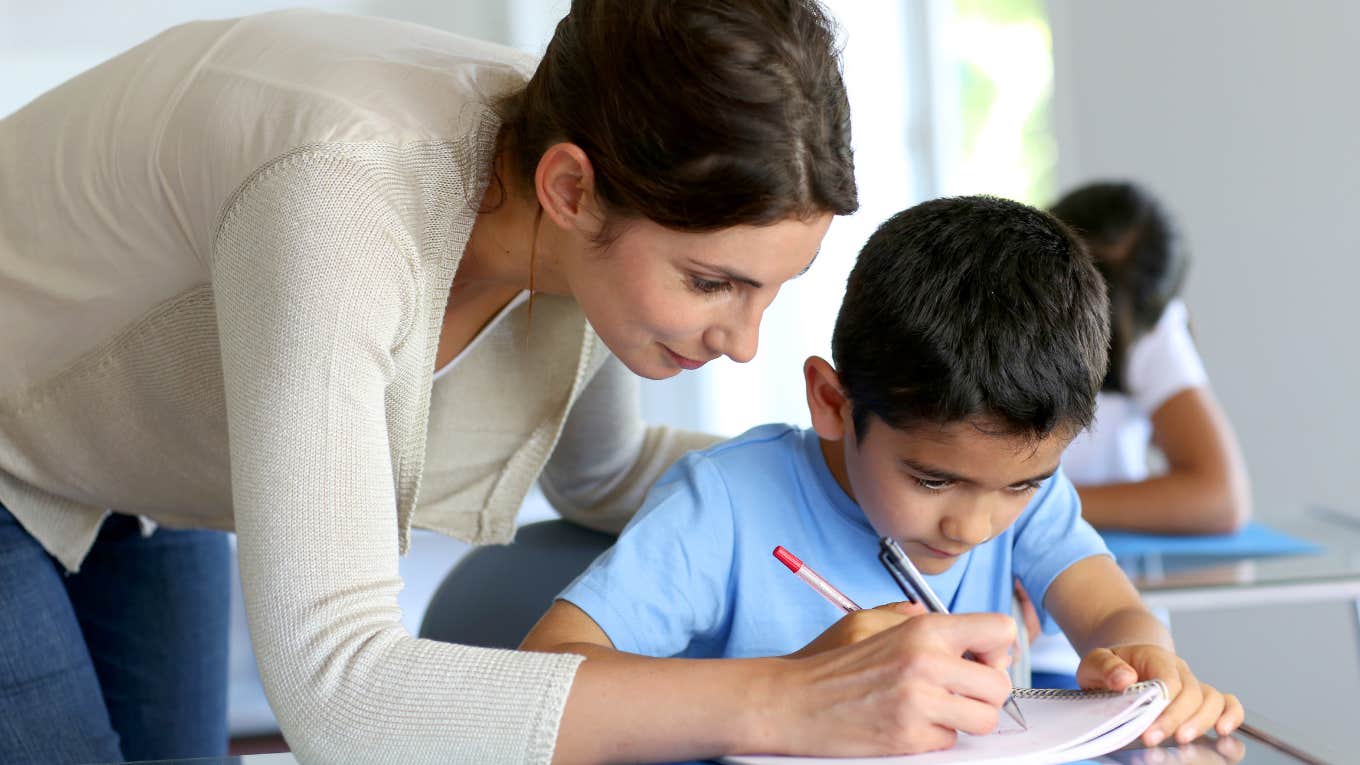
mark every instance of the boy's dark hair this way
{"type": "Point", "coordinates": [973, 308]}
{"type": "Point", "coordinates": [695, 114]}
{"type": "Point", "coordinates": [1136, 249]}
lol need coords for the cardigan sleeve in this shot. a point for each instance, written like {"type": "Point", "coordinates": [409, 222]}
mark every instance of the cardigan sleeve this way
{"type": "Point", "coordinates": [314, 280]}
{"type": "Point", "coordinates": [607, 458]}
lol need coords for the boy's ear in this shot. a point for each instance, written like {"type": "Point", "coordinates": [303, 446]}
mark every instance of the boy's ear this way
{"type": "Point", "coordinates": [828, 405]}
{"type": "Point", "coordinates": [565, 184]}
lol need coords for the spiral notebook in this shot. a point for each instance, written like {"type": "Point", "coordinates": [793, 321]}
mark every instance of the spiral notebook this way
{"type": "Point", "coordinates": [1063, 726]}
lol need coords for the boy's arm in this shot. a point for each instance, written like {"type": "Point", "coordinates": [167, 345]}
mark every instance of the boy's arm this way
{"type": "Point", "coordinates": [1121, 643]}
{"type": "Point", "coordinates": [1097, 607]}
{"type": "Point", "coordinates": [565, 628]}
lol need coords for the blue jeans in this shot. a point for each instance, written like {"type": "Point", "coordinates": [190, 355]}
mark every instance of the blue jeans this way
{"type": "Point", "coordinates": [126, 659]}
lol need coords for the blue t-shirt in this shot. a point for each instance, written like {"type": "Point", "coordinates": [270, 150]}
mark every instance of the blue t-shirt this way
{"type": "Point", "coordinates": [694, 575]}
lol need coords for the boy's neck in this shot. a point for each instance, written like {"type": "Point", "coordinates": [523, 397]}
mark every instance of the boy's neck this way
{"type": "Point", "coordinates": [833, 453]}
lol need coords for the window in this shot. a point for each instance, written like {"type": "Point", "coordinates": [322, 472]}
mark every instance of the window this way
{"type": "Point", "coordinates": [996, 61]}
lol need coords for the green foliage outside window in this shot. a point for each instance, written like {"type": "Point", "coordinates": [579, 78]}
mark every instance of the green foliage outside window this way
{"type": "Point", "coordinates": [1003, 57]}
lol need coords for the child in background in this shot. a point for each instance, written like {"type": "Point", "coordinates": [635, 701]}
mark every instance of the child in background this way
{"type": "Point", "coordinates": [968, 351]}
{"type": "Point", "coordinates": [1155, 392]}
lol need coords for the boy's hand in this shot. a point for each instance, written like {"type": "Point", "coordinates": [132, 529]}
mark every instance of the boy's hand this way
{"type": "Point", "coordinates": [859, 625]}
{"type": "Point", "coordinates": [1195, 706]}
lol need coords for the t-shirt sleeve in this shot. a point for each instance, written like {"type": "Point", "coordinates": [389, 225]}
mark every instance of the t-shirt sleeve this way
{"type": "Point", "coordinates": [666, 581]}
{"type": "Point", "coordinates": [1051, 535]}
{"type": "Point", "coordinates": [1164, 362]}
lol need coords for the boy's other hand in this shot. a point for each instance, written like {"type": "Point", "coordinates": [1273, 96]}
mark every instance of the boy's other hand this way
{"type": "Point", "coordinates": [1195, 706]}
{"type": "Point", "coordinates": [860, 625]}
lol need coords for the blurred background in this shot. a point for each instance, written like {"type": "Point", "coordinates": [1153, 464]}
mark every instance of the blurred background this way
{"type": "Point", "coordinates": [1242, 115]}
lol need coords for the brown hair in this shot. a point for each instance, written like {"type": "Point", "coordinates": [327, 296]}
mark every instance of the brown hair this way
{"type": "Point", "coordinates": [695, 114]}
{"type": "Point", "coordinates": [1137, 250]}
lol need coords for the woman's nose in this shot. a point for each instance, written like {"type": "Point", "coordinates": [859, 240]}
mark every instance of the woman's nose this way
{"type": "Point", "coordinates": [740, 339]}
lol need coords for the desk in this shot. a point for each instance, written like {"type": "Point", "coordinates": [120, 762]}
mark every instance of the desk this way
{"type": "Point", "coordinates": [1298, 664]}
{"type": "Point", "coordinates": [1194, 583]}
{"type": "Point", "coordinates": [1257, 752]}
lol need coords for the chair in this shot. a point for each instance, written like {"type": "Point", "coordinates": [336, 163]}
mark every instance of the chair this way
{"type": "Point", "coordinates": [496, 593]}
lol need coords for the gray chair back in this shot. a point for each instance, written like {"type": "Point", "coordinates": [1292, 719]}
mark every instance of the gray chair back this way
{"type": "Point", "coordinates": [496, 593]}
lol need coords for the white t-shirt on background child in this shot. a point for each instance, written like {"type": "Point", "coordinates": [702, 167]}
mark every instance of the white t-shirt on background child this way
{"type": "Point", "coordinates": [1114, 449]}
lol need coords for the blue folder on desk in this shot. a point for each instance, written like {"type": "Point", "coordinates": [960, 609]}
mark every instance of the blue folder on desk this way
{"type": "Point", "coordinates": [1253, 540]}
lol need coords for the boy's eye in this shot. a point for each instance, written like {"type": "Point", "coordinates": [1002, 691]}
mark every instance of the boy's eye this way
{"type": "Point", "coordinates": [934, 484]}
{"type": "Point", "coordinates": [1026, 487]}
{"type": "Point", "coordinates": [707, 286]}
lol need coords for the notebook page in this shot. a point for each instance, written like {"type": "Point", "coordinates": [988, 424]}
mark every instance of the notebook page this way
{"type": "Point", "coordinates": [1062, 727]}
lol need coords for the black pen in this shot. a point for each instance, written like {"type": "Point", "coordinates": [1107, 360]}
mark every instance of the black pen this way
{"type": "Point", "coordinates": [914, 586]}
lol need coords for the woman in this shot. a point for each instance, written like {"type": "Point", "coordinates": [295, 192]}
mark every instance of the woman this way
{"type": "Point", "coordinates": [231, 260]}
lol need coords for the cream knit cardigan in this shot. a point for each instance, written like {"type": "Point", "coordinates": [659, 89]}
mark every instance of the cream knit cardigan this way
{"type": "Point", "coordinates": [224, 260]}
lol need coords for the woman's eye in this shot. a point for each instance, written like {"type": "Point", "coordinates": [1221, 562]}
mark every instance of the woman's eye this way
{"type": "Point", "coordinates": [707, 286]}
{"type": "Point", "coordinates": [934, 484]}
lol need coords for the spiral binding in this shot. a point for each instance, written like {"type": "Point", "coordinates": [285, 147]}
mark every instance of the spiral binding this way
{"type": "Point", "coordinates": [1068, 694]}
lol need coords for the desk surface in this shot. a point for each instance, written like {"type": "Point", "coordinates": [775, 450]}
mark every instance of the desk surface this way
{"type": "Point", "coordinates": [1255, 752]}
{"type": "Point", "coordinates": [1198, 582]}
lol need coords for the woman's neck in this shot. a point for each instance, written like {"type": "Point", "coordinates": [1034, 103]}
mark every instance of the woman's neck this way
{"type": "Point", "coordinates": [509, 245]}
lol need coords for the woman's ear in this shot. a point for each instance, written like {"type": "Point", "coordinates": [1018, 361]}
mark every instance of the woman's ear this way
{"type": "Point", "coordinates": [827, 404]}
{"type": "Point", "coordinates": [565, 185]}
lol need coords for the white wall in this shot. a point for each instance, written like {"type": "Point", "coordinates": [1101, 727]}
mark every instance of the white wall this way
{"type": "Point", "coordinates": [1244, 116]}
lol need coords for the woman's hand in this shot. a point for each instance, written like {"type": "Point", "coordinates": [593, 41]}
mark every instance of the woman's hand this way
{"type": "Point", "coordinates": [1195, 706]}
{"type": "Point", "coordinates": [860, 625]}
{"type": "Point", "coordinates": [905, 688]}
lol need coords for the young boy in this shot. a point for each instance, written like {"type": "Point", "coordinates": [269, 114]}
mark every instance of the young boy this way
{"type": "Point", "coordinates": [968, 352]}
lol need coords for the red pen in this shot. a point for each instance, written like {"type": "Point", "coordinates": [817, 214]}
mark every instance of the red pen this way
{"type": "Point", "coordinates": [815, 580]}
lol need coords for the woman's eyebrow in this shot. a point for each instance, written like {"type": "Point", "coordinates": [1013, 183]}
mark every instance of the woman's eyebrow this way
{"type": "Point", "coordinates": [736, 277]}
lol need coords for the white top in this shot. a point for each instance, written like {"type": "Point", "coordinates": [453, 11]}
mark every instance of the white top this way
{"type": "Point", "coordinates": [1114, 449]}
{"type": "Point", "coordinates": [520, 297]}
{"type": "Point", "coordinates": [1161, 364]}
{"type": "Point", "coordinates": [224, 261]}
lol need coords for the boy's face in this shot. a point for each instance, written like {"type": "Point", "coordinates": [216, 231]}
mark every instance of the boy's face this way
{"type": "Point", "coordinates": [941, 491]}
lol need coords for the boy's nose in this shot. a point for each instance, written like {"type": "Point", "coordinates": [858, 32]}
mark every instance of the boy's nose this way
{"type": "Point", "coordinates": [971, 528]}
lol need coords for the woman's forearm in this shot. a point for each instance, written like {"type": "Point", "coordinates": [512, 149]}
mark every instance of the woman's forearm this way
{"type": "Point", "coordinates": [906, 689]}
{"type": "Point", "coordinates": [628, 709]}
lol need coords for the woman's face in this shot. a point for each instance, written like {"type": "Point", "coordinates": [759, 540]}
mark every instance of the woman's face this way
{"type": "Point", "coordinates": [664, 301]}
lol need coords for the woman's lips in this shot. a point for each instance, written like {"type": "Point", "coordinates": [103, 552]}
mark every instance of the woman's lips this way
{"type": "Point", "coordinates": [684, 362]}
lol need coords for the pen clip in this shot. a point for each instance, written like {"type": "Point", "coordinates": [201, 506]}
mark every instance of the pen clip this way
{"type": "Point", "coordinates": [908, 578]}
{"type": "Point", "coordinates": [903, 583]}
